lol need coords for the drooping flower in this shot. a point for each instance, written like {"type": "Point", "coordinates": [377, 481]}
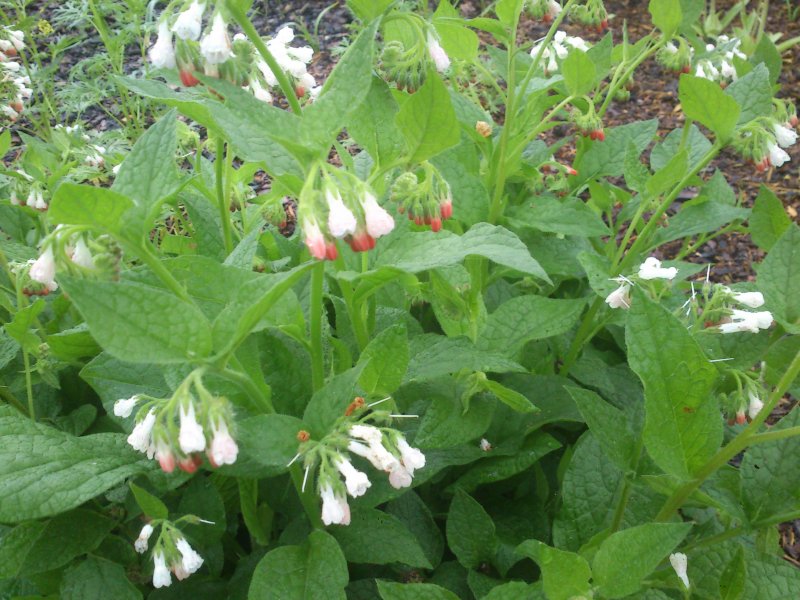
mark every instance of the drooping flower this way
{"type": "Point", "coordinates": [412, 458]}
{"type": "Point", "coordinates": [191, 437]}
{"type": "Point", "coordinates": [786, 137]}
{"type": "Point", "coordinates": [399, 477]}
{"type": "Point", "coordinates": [140, 545]}
{"type": "Point", "coordinates": [652, 269]}
{"type": "Point", "coordinates": [223, 449]}
{"type": "Point", "coordinates": [216, 45]}
{"type": "Point", "coordinates": [191, 561]}
{"type": "Point", "coordinates": [620, 297]}
{"type": "Point", "coordinates": [379, 221]}
{"type": "Point", "coordinates": [82, 256]}
{"type": "Point", "coordinates": [162, 54]}
{"type": "Point", "coordinates": [750, 299]}
{"type": "Point", "coordinates": [679, 562]}
{"type": "Point", "coordinates": [259, 92]}
{"type": "Point", "coordinates": [124, 407]}
{"type": "Point", "coordinates": [139, 438]}
{"type": "Point", "coordinates": [161, 576]}
{"type": "Point", "coordinates": [376, 454]}
{"type": "Point", "coordinates": [368, 433]}
{"type": "Point", "coordinates": [755, 405]}
{"type": "Point", "coordinates": [438, 54]}
{"type": "Point", "coordinates": [742, 320]}
{"type": "Point", "coordinates": [777, 155]}
{"type": "Point", "coordinates": [43, 270]}
{"type": "Point", "coordinates": [314, 239]}
{"type": "Point", "coordinates": [190, 22]}
{"type": "Point", "coordinates": [165, 456]}
{"type": "Point", "coordinates": [335, 510]}
{"type": "Point", "coordinates": [341, 221]}
{"type": "Point", "coordinates": [355, 481]}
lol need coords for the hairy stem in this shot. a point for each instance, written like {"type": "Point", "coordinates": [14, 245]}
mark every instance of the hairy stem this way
{"type": "Point", "coordinates": [317, 359]}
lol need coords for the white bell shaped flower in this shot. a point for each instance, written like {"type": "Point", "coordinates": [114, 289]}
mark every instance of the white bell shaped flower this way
{"type": "Point", "coordinates": [223, 447]}
{"type": "Point", "coordinates": [355, 481]}
{"type": "Point", "coordinates": [742, 320]}
{"type": "Point", "coordinates": [191, 560]}
{"type": "Point", "coordinates": [368, 433]}
{"type": "Point", "coordinates": [652, 269]}
{"type": "Point", "coordinates": [379, 221]}
{"type": "Point", "coordinates": [438, 54]}
{"type": "Point", "coordinates": [191, 437]}
{"type": "Point", "coordinates": [620, 297]}
{"type": "Point", "coordinates": [189, 23]}
{"type": "Point", "coordinates": [786, 137]}
{"type": "Point", "coordinates": [314, 239]}
{"type": "Point", "coordinates": [162, 54]}
{"type": "Point", "coordinates": [341, 221]}
{"type": "Point", "coordinates": [412, 458]}
{"type": "Point", "coordinates": [679, 562]}
{"type": "Point", "coordinates": [375, 453]}
{"type": "Point", "coordinates": [161, 576]}
{"type": "Point", "coordinates": [82, 256]}
{"type": "Point", "coordinates": [43, 270]}
{"type": "Point", "coordinates": [399, 477]}
{"type": "Point", "coordinates": [124, 407]}
{"type": "Point", "coordinates": [777, 155]}
{"type": "Point", "coordinates": [755, 405]}
{"type": "Point", "coordinates": [140, 545]}
{"type": "Point", "coordinates": [259, 92]}
{"type": "Point", "coordinates": [216, 45]}
{"type": "Point", "coordinates": [139, 438]}
{"type": "Point", "coordinates": [749, 299]}
{"type": "Point", "coordinates": [335, 510]}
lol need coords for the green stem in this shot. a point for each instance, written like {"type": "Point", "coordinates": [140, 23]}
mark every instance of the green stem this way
{"type": "Point", "coordinates": [616, 82]}
{"type": "Point", "coordinates": [250, 31]}
{"type": "Point", "coordinates": [26, 359]}
{"type": "Point", "coordinates": [581, 337]}
{"type": "Point", "coordinates": [317, 359]}
{"type": "Point", "coordinates": [12, 400]}
{"type": "Point", "coordinates": [251, 389]}
{"type": "Point", "coordinates": [742, 530]}
{"type": "Point", "coordinates": [222, 200]}
{"type": "Point", "coordinates": [307, 498]}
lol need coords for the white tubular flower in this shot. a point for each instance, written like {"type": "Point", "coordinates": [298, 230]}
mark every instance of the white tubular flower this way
{"type": "Point", "coordinates": [314, 239]}
{"type": "Point", "coordinates": [43, 270]}
{"type": "Point", "coordinates": [728, 71]}
{"type": "Point", "coordinates": [17, 39]}
{"type": "Point", "coordinates": [284, 36]}
{"type": "Point", "coordinates": [259, 92]}
{"type": "Point", "coordinates": [700, 72]}
{"type": "Point", "coordinates": [379, 222]}
{"type": "Point", "coordinates": [742, 320]}
{"type": "Point", "coordinates": [124, 407]}
{"type": "Point", "coordinates": [140, 545]}
{"type": "Point", "coordinates": [82, 256]}
{"type": "Point", "coordinates": [368, 433]}
{"type": "Point", "coordinates": [341, 221]}
{"type": "Point", "coordinates": [412, 458]}
{"type": "Point", "coordinates": [786, 137]}
{"type": "Point", "coordinates": [437, 54]}
{"type": "Point", "coordinates": [223, 447]}
{"type": "Point", "coordinates": [162, 54]}
{"type": "Point", "coordinates": [40, 204]}
{"type": "Point", "coordinates": [216, 45]}
{"type": "Point", "coordinates": [161, 576]}
{"type": "Point", "coordinates": [750, 299]}
{"type": "Point", "coordinates": [620, 297]}
{"type": "Point", "coordinates": [679, 562]}
{"type": "Point", "coordinates": [191, 560]}
{"type": "Point", "coordinates": [485, 445]}
{"type": "Point", "coordinates": [356, 482]}
{"type": "Point", "coordinates": [139, 438]}
{"type": "Point", "coordinates": [755, 405]}
{"type": "Point", "coordinates": [376, 454]}
{"type": "Point", "coordinates": [652, 269]}
{"type": "Point", "coordinates": [553, 8]}
{"type": "Point", "coordinates": [335, 510]}
{"type": "Point", "coordinates": [399, 477]}
{"type": "Point", "coordinates": [777, 155]}
{"type": "Point", "coordinates": [191, 437]}
{"type": "Point", "coordinates": [190, 22]}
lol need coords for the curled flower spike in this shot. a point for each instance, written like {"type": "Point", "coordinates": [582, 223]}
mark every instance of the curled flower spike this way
{"type": "Point", "coordinates": [652, 269]}
{"type": "Point", "coordinates": [140, 545]}
{"type": "Point", "coordinates": [679, 562]}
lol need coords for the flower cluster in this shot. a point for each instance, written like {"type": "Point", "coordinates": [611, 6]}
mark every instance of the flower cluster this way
{"type": "Point", "coordinates": [337, 205]}
{"type": "Point", "coordinates": [177, 430]}
{"type": "Point", "coordinates": [650, 269]}
{"type": "Point", "coordinates": [762, 141]}
{"type": "Point", "coordinates": [171, 548]}
{"type": "Point", "coordinates": [557, 50]}
{"type": "Point", "coordinates": [385, 448]}
{"type": "Point", "coordinates": [589, 123]}
{"type": "Point", "coordinates": [676, 55]}
{"type": "Point", "coordinates": [543, 10]}
{"type": "Point", "coordinates": [25, 187]}
{"type": "Point", "coordinates": [179, 44]}
{"type": "Point", "coordinates": [592, 14]}
{"type": "Point", "coordinates": [407, 65]}
{"type": "Point", "coordinates": [717, 63]}
{"type": "Point", "coordinates": [14, 81]}
{"type": "Point", "coordinates": [424, 196]}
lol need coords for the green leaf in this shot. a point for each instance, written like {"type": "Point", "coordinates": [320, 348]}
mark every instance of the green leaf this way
{"type": "Point", "coordinates": [682, 428]}
{"type": "Point", "coordinates": [267, 443]}
{"type": "Point", "coordinates": [367, 10]}
{"type": "Point", "coordinates": [508, 11]}
{"type": "Point", "coordinates": [33, 548]}
{"type": "Point", "coordinates": [314, 569]}
{"type": "Point", "coordinates": [385, 361]}
{"type": "Point", "coordinates": [140, 323]}
{"type": "Point", "coordinates": [509, 397]}
{"type": "Point", "coordinates": [769, 219]}
{"type": "Point", "coordinates": [696, 144]}
{"type": "Point", "coordinates": [149, 172]}
{"type": "Point", "coordinates": [731, 583]}
{"type": "Point", "coordinates": [608, 424]}
{"type": "Point", "coordinates": [526, 318]}
{"type": "Point", "coordinates": [706, 103]}
{"type": "Point", "coordinates": [565, 575]}
{"type": "Point", "coordinates": [767, 53]}
{"type": "Point", "coordinates": [151, 506]}
{"type": "Point", "coordinates": [97, 579]}
{"type": "Point", "coordinates": [377, 538]}
{"type": "Point", "coordinates": [416, 252]}
{"type": "Point", "coordinates": [413, 591]}
{"type": "Point", "coordinates": [670, 174]}
{"type": "Point", "coordinates": [753, 93]}
{"type": "Point", "coordinates": [44, 471]}
{"type": "Point", "coordinates": [434, 355]}
{"type": "Point", "coordinates": [99, 208]}
{"type": "Point", "coordinates": [568, 216]}
{"type": "Point", "coordinates": [470, 531]}
{"type": "Point", "coordinates": [428, 121]}
{"type": "Point", "coordinates": [699, 216]}
{"type": "Point", "coordinates": [579, 73]}
{"type": "Point", "coordinates": [630, 555]}
{"type": "Point", "coordinates": [414, 513]}
{"type": "Point", "coordinates": [330, 402]}
{"type": "Point", "coordinates": [608, 158]}
{"type": "Point", "coordinates": [373, 124]}
{"type": "Point", "coordinates": [446, 424]}
{"type": "Point", "coordinates": [457, 40]}
{"type": "Point", "coordinates": [779, 279]}
{"type": "Point", "coordinates": [667, 15]}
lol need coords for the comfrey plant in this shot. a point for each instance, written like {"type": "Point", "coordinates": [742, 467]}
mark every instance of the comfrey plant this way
{"type": "Point", "coordinates": [370, 339]}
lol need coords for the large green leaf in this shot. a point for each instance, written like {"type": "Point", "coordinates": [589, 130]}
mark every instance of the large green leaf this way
{"type": "Point", "coordinates": [314, 569]}
{"type": "Point", "coordinates": [413, 591]}
{"type": "Point", "coordinates": [704, 101]}
{"type": "Point", "coordinates": [470, 531]}
{"type": "Point", "coordinates": [608, 158]}
{"type": "Point", "coordinates": [779, 279]}
{"type": "Point", "coordinates": [97, 578]}
{"type": "Point", "coordinates": [100, 208]}
{"type": "Point", "coordinates": [373, 126]}
{"type": "Point", "coordinates": [385, 361]}
{"type": "Point", "coordinates": [565, 575]}
{"type": "Point", "coordinates": [753, 93]}
{"type": "Point", "coordinates": [769, 219]}
{"type": "Point", "coordinates": [608, 424]}
{"type": "Point", "coordinates": [267, 443]}
{"type": "Point", "coordinates": [570, 216]}
{"type": "Point", "coordinates": [434, 355]}
{"type": "Point", "coordinates": [579, 72]}
{"type": "Point", "coordinates": [44, 471]}
{"type": "Point", "coordinates": [683, 428]}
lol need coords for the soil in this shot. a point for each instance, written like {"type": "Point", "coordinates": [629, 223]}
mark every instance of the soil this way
{"type": "Point", "coordinates": [654, 95]}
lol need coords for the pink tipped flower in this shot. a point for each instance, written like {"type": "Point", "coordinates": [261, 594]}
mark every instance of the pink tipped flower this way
{"type": "Point", "coordinates": [438, 55]}
{"type": "Point", "coordinates": [777, 155]}
{"type": "Point", "coordinates": [356, 482]}
{"type": "Point", "coordinates": [190, 22]}
{"type": "Point", "coordinates": [140, 545]}
{"type": "Point", "coordinates": [314, 239]}
{"type": "Point", "coordinates": [216, 45]}
{"type": "Point", "coordinates": [139, 438]}
{"type": "Point", "coordinates": [165, 456]}
{"type": "Point", "coordinates": [162, 54]}
{"type": "Point", "coordinates": [446, 208]}
{"type": "Point", "coordinates": [379, 222]}
{"type": "Point", "coordinates": [652, 269]}
{"type": "Point", "coordinates": [399, 477]}
{"type": "Point", "coordinates": [161, 576]}
{"type": "Point", "coordinates": [223, 449]}
{"type": "Point", "coordinates": [191, 437]}
{"type": "Point", "coordinates": [341, 221]}
{"type": "Point", "coordinates": [411, 457]}
{"type": "Point", "coordinates": [43, 270]}
{"type": "Point", "coordinates": [335, 510]}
